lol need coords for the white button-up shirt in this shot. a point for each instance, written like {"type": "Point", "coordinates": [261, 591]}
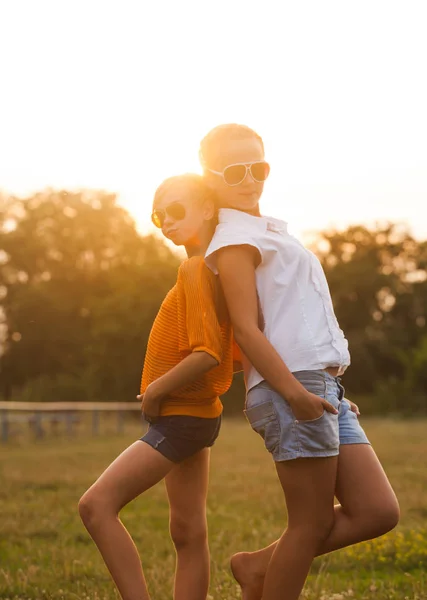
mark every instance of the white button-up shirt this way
{"type": "Point", "coordinates": [293, 292]}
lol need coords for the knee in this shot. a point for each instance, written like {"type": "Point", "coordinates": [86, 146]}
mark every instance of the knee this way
{"type": "Point", "coordinates": [87, 507]}
{"type": "Point", "coordinates": [322, 527]}
{"type": "Point", "coordinates": [188, 532]}
{"type": "Point", "coordinates": [386, 517]}
{"type": "Point", "coordinates": [315, 530]}
{"type": "Point", "coordinates": [377, 518]}
{"type": "Point", "coordinates": [91, 508]}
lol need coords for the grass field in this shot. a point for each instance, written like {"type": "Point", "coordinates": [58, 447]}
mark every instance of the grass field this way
{"type": "Point", "coordinates": [45, 553]}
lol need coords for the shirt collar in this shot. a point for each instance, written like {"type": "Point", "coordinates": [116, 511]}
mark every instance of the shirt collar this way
{"type": "Point", "coordinates": [230, 215]}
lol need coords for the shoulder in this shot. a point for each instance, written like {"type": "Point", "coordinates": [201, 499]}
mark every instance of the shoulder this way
{"type": "Point", "coordinates": [235, 229]}
{"type": "Point", "coordinates": [236, 221]}
{"type": "Point", "coordinates": [190, 265]}
{"type": "Point", "coordinates": [193, 271]}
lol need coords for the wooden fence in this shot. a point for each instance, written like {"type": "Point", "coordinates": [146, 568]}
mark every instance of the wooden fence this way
{"type": "Point", "coordinates": [38, 414]}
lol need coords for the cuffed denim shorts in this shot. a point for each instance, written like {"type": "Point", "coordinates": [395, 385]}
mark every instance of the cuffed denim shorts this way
{"type": "Point", "coordinates": [287, 438]}
{"type": "Point", "coordinates": [178, 437]}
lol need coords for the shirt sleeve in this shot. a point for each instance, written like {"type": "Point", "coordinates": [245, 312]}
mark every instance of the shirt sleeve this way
{"type": "Point", "coordinates": [227, 234]}
{"type": "Point", "coordinates": [197, 309]}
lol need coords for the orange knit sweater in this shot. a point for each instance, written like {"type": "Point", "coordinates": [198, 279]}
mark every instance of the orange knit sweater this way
{"type": "Point", "coordinates": [187, 322]}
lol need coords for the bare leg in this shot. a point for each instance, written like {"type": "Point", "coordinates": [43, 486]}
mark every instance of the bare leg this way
{"type": "Point", "coordinates": [368, 508]}
{"type": "Point", "coordinates": [308, 485]}
{"type": "Point", "coordinates": [136, 470]}
{"type": "Point", "coordinates": [187, 487]}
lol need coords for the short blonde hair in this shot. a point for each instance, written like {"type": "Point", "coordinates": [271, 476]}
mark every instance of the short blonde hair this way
{"type": "Point", "coordinates": [219, 136]}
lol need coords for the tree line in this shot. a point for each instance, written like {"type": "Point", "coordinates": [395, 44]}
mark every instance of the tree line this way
{"type": "Point", "coordinates": [80, 287]}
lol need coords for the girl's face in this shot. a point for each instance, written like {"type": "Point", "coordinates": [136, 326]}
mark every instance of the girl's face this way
{"type": "Point", "coordinates": [227, 164]}
{"type": "Point", "coordinates": [181, 216]}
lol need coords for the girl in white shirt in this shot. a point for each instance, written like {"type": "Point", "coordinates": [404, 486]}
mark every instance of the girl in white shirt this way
{"type": "Point", "coordinates": [295, 400]}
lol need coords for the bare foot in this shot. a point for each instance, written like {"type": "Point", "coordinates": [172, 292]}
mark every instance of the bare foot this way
{"type": "Point", "coordinates": [243, 568]}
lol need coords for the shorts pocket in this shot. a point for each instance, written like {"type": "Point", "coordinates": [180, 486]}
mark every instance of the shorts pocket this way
{"type": "Point", "coordinates": [264, 420]}
{"type": "Point", "coordinates": [319, 435]}
{"type": "Point", "coordinates": [312, 420]}
{"type": "Point", "coordinates": [314, 382]}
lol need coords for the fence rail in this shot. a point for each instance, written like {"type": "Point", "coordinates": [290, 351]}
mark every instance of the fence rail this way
{"type": "Point", "coordinates": [37, 414]}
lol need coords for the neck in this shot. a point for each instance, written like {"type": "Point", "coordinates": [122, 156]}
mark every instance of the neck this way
{"type": "Point", "coordinates": [254, 211]}
{"type": "Point", "coordinates": [193, 250]}
{"type": "Point", "coordinates": [198, 247]}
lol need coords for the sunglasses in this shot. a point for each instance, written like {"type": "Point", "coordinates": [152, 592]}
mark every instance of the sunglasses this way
{"type": "Point", "coordinates": [236, 174]}
{"type": "Point", "coordinates": [175, 211]}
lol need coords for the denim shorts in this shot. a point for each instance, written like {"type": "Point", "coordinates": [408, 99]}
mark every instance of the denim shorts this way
{"type": "Point", "coordinates": [287, 438]}
{"type": "Point", "coordinates": [178, 437]}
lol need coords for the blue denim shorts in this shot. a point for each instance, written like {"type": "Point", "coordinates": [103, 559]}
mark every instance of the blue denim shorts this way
{"type": "Point", "coordinates": [287, 438]}
{"type": "Point", "coordinates": [178, 437]}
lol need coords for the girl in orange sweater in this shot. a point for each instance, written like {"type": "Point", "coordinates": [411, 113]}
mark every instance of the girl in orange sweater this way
{"type": "Point", "coordinates": [188, 365]}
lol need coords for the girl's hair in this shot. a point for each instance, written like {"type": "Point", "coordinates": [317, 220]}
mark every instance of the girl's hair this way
{"type": "Point", "coordinates": [197, 188]}
{"type": "Point", "coordinates": [220, 136]}
{"type": "Point", "coordinates": [198, 191]}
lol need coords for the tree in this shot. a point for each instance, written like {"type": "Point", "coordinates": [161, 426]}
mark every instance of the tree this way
{"type": "Point", "coordinates": [80, 288]}
{"type": "Point", "coordinates": [379, 288]}
{"type": "Point", "coordinates": [78, 282]}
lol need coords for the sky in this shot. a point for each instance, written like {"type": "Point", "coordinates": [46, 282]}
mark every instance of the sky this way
{"type": "Point", "coordinates": [116, 95]}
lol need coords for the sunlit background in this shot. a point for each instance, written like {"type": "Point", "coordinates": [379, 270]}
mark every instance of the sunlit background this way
{"type": "Point", "coordinates": [117, 95]}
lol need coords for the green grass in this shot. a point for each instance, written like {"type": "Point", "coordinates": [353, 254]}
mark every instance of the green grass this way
{"type": "Point", "coordinates": [45, 553]}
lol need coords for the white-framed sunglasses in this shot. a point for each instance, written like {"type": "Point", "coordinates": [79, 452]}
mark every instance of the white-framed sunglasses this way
{"type": "Point", "coordinates": [236, 174]}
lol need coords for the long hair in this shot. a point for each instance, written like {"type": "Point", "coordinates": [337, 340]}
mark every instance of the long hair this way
{"type": "Point", "coordinates": [198, 191]}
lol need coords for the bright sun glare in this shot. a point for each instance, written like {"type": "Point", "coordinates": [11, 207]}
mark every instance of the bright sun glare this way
{"type": "Point", "coordinates": [108, 96]}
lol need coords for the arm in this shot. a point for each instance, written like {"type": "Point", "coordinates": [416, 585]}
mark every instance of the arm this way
{"type": "Point", "coordinates": [188, 370]}
{"type": "Point", "coordinates": [237, 366]}
{"type": "Point", "coordinates": [237, 359]}
{"type": "Point", "coordinates": [236, 267]}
